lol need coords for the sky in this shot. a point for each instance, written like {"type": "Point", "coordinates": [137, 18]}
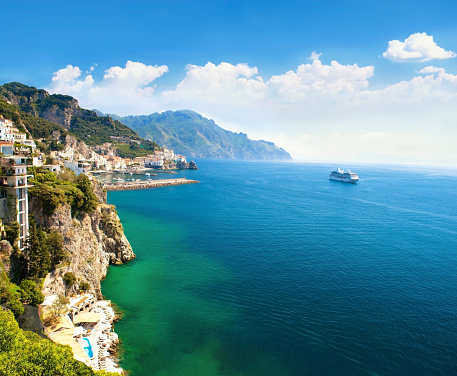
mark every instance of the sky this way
{"type": "Point", "coordinates": [367, 81]}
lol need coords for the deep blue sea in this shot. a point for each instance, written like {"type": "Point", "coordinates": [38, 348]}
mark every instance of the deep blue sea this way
{"type": "Point", "coordinates": [269, 268]}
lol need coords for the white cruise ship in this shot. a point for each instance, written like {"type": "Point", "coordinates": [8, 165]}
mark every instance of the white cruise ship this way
{"type": "Point", "coordinates": [346, 177]}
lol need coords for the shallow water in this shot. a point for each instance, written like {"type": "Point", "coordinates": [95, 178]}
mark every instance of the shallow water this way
{"type": "Point", "coordinates": [269, 268]}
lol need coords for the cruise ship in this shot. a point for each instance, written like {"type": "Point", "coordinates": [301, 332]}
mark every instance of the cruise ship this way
{"type": "Point", "coordinates": [346, 177]}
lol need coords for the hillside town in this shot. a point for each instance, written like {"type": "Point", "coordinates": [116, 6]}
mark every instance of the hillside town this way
{"type": "Point", "coordinates": [83, 322]}
{"type": "Point", "coordinates": [101, 158]}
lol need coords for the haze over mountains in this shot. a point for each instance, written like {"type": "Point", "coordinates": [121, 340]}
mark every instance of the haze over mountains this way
{"type": "Point", "coordinates": [189, 133]}
{"type": "Point", "coordinates": [185, 131]}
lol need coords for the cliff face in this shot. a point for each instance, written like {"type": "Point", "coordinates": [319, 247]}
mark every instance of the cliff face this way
{"type": "Point", "coordinates": [60, 115]}
{"type": "Point", "coordinates": [92, 242]}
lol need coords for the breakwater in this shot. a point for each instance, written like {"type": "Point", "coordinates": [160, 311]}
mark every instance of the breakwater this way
{"type": "Point", "coordinates": [125, 186]}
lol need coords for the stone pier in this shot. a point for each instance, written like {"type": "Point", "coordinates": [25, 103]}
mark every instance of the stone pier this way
{"type": "Point", "coordinates": [128, 185]}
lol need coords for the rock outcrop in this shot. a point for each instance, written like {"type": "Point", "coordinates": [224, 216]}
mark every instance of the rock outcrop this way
{"type": "Point", "coordinates": [92, 242]}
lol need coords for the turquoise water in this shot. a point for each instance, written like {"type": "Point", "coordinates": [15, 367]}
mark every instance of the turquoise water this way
{"type": "Point", "coordinates": [269, 268]}
{"type": "Point", "coordinates": [88, 348]}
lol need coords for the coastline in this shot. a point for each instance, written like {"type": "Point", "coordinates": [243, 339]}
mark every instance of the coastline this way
{"type": "Point", "coordinates": [87, 329]}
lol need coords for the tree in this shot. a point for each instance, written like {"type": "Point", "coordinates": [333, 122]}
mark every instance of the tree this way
{"type": "Point", "coordinates": [49, 196]}
{"type": "Point", "coordinates": [25, 353]}
{"type": "Point", "coordinates": [30, 293]}
{"type": "Point", "coordinates": [37, 252]}
{"type": "Point", "coordinates": [12, 232]}
{"type": "Point", "coordinates": [10, 293]}
{"type": "Point", "coordinates": [60, 306]}
{"type": "Point", "coordinates": [54, 246]}
{"type": "Point", "coordinates": [90, 200]}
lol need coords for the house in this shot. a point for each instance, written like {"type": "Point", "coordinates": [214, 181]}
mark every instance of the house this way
{"type": "Point", "coordinates": [52, 168]}
{"type": "Point", "coordinates": [180, 158]}
{"type": "Point", "coordinates": [6, 134]}
{"type": "Point", "coordinates": [14, 194]}
{"type": "Point", "coordinates": [153, 162]}
{"type": "Point", "coordinates": [18, 136]}
{"type": "Point", "coordinates": [5, 122]}
{"type": "Point", "coordinates": [6, 147]}
{"type": "Point", "coordinates": [78, 167]}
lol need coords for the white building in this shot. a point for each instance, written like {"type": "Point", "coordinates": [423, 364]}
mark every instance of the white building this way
{"type": "Point", "coordinates": [6, 147]}
{"type": "Point", "coordinates": [78, 167]}
{"type": "Point", "coordinates": [5, 122]}
{"type": "Point", "coordinates": [52, 168]}
{"type": "Point", "coordinates": [6, 134]}
{"type": "Point", "coordinates": [19, 136]}
{"type": "Point", "coordinates": [153, 162]}
{"type": "Point", "coordinates": [14, 190]}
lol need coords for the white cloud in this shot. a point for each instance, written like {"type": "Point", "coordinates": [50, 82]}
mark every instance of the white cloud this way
{"type": "Point", "coordinates": [219, 83]}
{"type": "Point", "coordinates": [317, 78]}
{"type": "Point", "coordinates": [436, 85]}
{"type": "Point", "coordinates": [133, 76]}
{"type": "Point", "coordinates": [315, 55]}
{"type": "Point", "coordinates": [431, 69]}
{"type": "Point", "coordinates": [67, 74]}
{"type": "Point", "coordinates": [330, 102]}
{"type": "Point", "coordinates": [417, 47]}
{"type": "Point", "coordinates": [121, 89]}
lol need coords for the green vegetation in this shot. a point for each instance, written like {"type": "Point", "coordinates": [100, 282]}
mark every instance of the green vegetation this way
{"type": "Point", "coordinates": [95, 130]}
{"type": "Point", "coordinates": [34, 106]}
{"type": "Point", "coordinates": [38, 127]}
{"type": "Point", "coordinates": [84, 286]}
{"type": "Point", "coordinates": [44, 250]}
{"type": "Point", "coordinates": [25, 353]}
{"type": "Point", "coordinates": [190, 134]}
{"type": "Point", "coordinates": [69, 278]}
{"type": "Point", "coordinates": [54, 190]}
{"type": "Point", "coordinates": [10, 293]}
{"type": "Point", "coordinates": [60, 306]}
{"type": "Point", "coordinates": [30, 292]}
{"type": "Point", "coordinates": [12, 232]}
{"type": "Point", "coordinates": [136, 150]}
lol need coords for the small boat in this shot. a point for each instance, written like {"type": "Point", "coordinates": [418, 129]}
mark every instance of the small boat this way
{"type": "Point", "coordinates": [345, 177]}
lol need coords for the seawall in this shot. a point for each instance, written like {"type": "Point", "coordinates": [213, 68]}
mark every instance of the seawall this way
{"type": "Point", "coordinates": [124, 186]}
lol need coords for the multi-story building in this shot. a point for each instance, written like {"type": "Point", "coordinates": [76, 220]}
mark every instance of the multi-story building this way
{"type": "Point", "coordinates": [14, 204]}
{"type": "Point", "coordinates": [6, 134]}
{"type": "Point", "coordinates": [78, 167]}
{"type": "Point", "coordinates": [5, 122]}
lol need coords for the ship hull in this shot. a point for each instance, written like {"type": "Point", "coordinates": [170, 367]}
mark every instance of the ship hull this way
{"type": "Point", "coordinates": [352, 181]}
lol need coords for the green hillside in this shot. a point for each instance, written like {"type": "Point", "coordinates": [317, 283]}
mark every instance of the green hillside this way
{"type": "Point", "coordinates": [64, 111]}
{"type": "Point", "coordinates": [189, 133]}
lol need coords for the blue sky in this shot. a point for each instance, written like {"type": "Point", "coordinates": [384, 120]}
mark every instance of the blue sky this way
{"type": "Point", "coordinates": [347, 80]}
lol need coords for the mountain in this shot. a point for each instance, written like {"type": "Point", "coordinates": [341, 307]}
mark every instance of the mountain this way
{"type": "Point", "coordinates": [189, 133]}
{"type": "Point", "coordinates": [63, 110]}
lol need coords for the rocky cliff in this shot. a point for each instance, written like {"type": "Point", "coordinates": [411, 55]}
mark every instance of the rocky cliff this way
{"type": "Point", "coordinates": [92, 242]}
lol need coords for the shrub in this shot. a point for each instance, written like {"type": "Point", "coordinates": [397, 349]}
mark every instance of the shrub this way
{"type": "Point", "coordinates": [69, 278]}
{"type": "Point", "coordinates": [84, 286]}
{"type": "Point", "coordinates": [49, 196]}
{"type": "Point", "coordinates": [30, 293]}
{"type": "Point", "coordinates": [25, 353]}
{"type": "Point", "coordinates": [12, 232]}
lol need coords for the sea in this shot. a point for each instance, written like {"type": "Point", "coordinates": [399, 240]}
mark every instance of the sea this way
{"type": "Point", "coordinates": [270, 268]}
